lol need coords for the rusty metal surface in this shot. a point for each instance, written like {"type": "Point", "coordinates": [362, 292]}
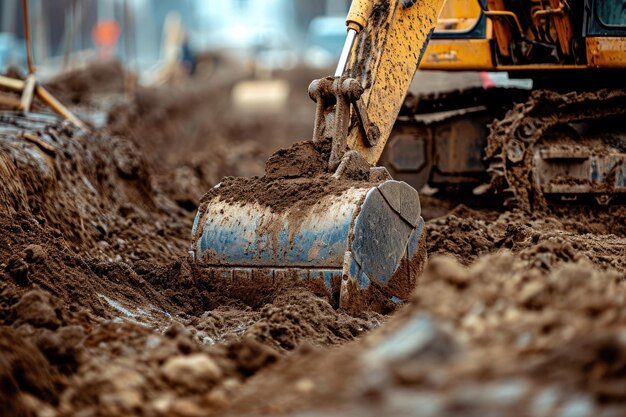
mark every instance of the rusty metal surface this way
{"type": "Point", "coordinates": [441, 153]}
{"type": "Point", "coordinates": [335, 97]}
{"type": "Point", "coordinates": [606, 52]}
{"type": "Point", "coordinates": [251, 234]}
{"type": "Point", "coordinates": [596, 168]}
{"type": "Point", "coordinates": [377, 228]}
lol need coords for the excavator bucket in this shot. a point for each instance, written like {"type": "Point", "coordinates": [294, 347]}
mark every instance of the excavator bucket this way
{"type": "Point", "coordinates": [362, 247]}
{"type": "Point", "coordinates": [322, 217]}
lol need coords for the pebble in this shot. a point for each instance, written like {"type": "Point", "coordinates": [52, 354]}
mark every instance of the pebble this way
{"type": "Point", "coordinates": [545, 402]}
{"type": "Point", "coordinates": [163, 404]}
{"type": "Point", "coordinates": [187, 408]}
{"type": "Point", "coordinates": [305, 385]}
{"type": "Point", "coordinates": [124, 401]}
{"type": "Point", "coordinates": [122, 378]}
{"type": "Point", "coordinates": [35, 308]}
{"type": "Point", "coordinates": [153, 342]}
{"type": "Point", "coordinates": [194, 372]}
{"type": "Point", "coordinates": [420, 336]}
{"type": "Point", "coordinates": [578, 407]}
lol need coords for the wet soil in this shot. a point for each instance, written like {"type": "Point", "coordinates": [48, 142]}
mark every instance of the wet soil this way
{"type": "Point", "coordinates": [294, 176]}
{"type": "Point", "coordinates": [102, 313]}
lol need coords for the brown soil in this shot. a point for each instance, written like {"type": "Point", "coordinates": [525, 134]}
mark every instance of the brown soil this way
{"type": "Point", "coordinates": [294, 176]}
{"type": "Point", "coordinates": [102, 313]}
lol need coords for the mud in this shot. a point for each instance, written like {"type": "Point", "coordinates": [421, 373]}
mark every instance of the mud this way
{"type": "Point", "coordinates": [103, 313]}
{"type": "Point", "coordinates": [295, 176]}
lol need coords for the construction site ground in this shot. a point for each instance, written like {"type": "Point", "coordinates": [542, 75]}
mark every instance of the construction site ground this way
{"type": "Point", "coordinates": [103, 313]}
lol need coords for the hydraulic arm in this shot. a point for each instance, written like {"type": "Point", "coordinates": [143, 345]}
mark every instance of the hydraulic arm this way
{"type": "Point", "coordinates": [361, 241]}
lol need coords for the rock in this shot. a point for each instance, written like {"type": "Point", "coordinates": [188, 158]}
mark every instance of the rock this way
{"type": "Point", "coordinates": [217, 398]}
{"type": "Point", "coordinates": [63, 346]}
{"type": "Point", "coordinates": [162, 404]}
{"type": "Point", "coordinates": [251, 355]}
{"type": "Point", "coordinates": [534, 295]}
{"type": "Point", "coordinates": [578, 407]}
{"type": "Point", "coordinates": [35, 253]}
{"type": "Point", "coordinates": [122, 402]}
{"type": "Point", "coordinates": [153, 342]}
{"type": "Point", "coordinates": [407, 353]}
{"type": "Point", "coordinates": [353, 166]}
{"type": "Point", "coordinates": [120, 378]}
{"type": "Point", "coordinates": [175, 330]}
{"type": "Point", "coordinates": [505, 393]}
{"type": "Point", "coordinates": [34, 406]}
{"type": "Point", "coordinates": [187, 408]}
{"type": "Point", "coordinates": [195, 372]}
{"type": "Point", "coordinates": [126, 159]}
{"type": "Point", "coordinates": [305, 385]}
{"type": "Point", "coordinates": [35, 308]}
{"type": "Point", "coordinates": [545, 401]}
{"type": "Point", "coordinates": [420, 338]}
{"type": "Point", "coordinates": [379, 174]}
{"type": "Point", "coordinates": [17, 269]}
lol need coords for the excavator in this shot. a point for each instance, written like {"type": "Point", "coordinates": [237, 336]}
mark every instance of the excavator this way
{"type": "Point", "coordinates": [326, 217]}
{"type": "Point", "coordinates": [560, 142]}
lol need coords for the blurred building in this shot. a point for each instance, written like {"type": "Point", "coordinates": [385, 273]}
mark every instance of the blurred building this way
{"type": "Point", "coordinates": [62, 28]}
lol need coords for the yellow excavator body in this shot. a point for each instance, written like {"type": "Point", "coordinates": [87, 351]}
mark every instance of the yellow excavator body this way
{"type": "Point", "coordinates": [565, 144]}
{"type": "Point", "coordinates": [478, 35]}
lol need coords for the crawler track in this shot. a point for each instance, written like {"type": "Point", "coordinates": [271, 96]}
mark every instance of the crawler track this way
{"type": "Point", "coordinates": [578, 130]}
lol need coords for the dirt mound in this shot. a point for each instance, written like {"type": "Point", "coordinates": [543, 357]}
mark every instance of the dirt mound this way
{"type": "Point", "coordinates": [84, 86]}
{"type": "Point", "coordinates": [140, 338]}
{"type": "Point", "coordinates": [23, 371]}
{"type": "Point", "coordinates": [294, 176]}
{"type": "Point", "coordinates": [103, 313]}
{"type": "Point", "coordinates": [475, 341]}
{"type": "Point", "coordinates": [547, 240]}
{"type": "Point", "coordinates": [93, 327]}
{"type": "Point", "coordinates": [192, 136]}
{"type": "Point", "coordinates": [91, 188]}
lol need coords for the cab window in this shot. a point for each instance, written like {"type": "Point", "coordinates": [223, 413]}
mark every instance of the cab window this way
{"type": "Point", "coordinates": [458, 15]}
{"type": "Point", "coordinates": [612, 12]}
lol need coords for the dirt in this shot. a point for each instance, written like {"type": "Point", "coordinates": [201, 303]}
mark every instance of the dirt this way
{"type": "Point", "coordinates": [102, 313]}
{"type": "Point", "coordinates": [294, 176]}
{"type": "Point", "coordinates": [497, 338]}
{"type": "Point", "coordinates": [78, 87]}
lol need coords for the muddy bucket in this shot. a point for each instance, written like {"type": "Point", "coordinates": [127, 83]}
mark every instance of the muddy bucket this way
{"type": "Point", "coordinates": [362, 247]}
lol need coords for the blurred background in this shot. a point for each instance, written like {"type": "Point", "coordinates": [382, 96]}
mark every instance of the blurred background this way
{"type": "Point", "coordinates": [142, 34]}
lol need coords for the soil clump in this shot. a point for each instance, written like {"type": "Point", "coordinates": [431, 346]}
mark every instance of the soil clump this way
{"type": "Point", "coordinates": [294, 176]}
